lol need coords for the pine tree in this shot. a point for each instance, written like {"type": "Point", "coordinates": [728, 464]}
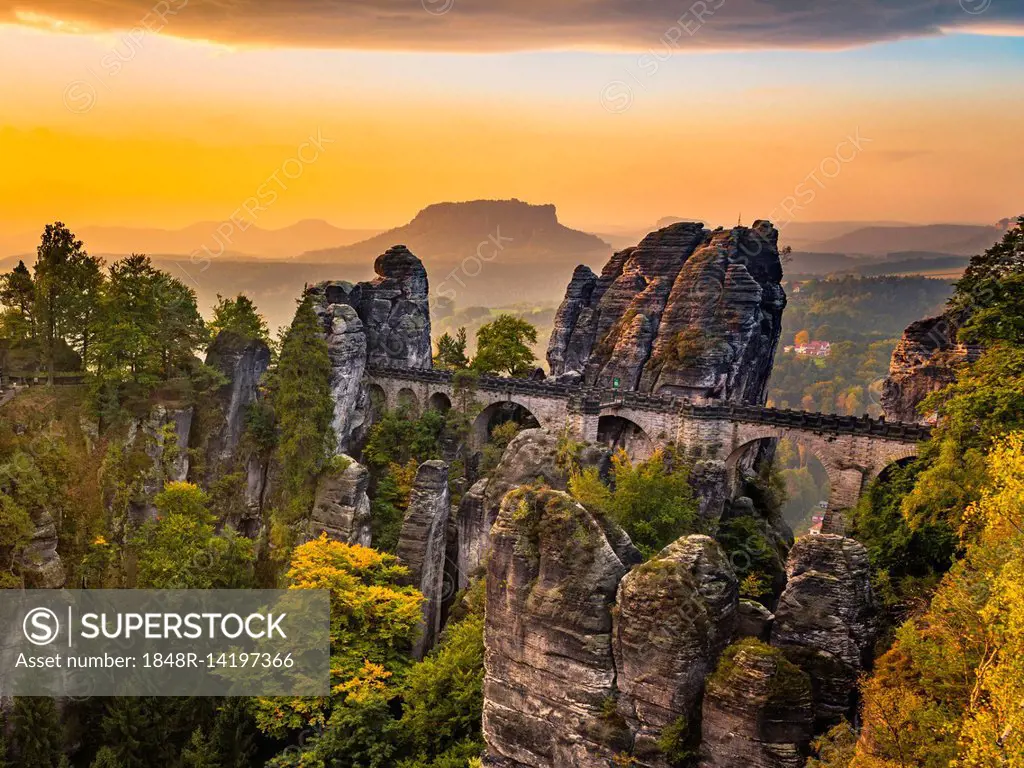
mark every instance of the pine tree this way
{"type": "Point", "coordinates": [17, 293]}
{"type": "Point", "coordinates": [200, 752]}
{"type": "Point", "coordinates": [234, 734]}
{"type": "Point", "coordinates": [451, 351]}
{"type": "Point", "coordinates": [66, 289]}
{"type": "Point", "coordinates": [238, 315]}
{"type": "Point", "coordinates": [36, 733]}
{"type": "Point", "coordinates": [304, 410]}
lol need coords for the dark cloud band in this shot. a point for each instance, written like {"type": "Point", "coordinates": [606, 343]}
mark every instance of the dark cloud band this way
{"type": "Point", "coordinates": [494, 25]}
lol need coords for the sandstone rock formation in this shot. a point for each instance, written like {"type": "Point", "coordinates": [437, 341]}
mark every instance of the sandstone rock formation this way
{"type": "Point", "coordinates": [826, 620]}
{"type": "Point", "coordinates": [531, 457]}
{"type": "Point", "coordinates": [675, 616]}
{"type": "Point", "coordinates": [216, 434]}
{"type": "Point", "coordinates": [382, 322]}
{"type": "Point", "coordinates": [688, 311]}
{"type": "Point", "coordinates": [163, 436]}
{"type": "Point", "coordinates": [342, 508]}
{"type": "Point", "coordinates": [551, 582]}
{"type": "Point", "coordinates": [924, 361]}
{"type": "Point", "coordinates": [422, 544]}
{"type": "Point", "coordinates": [754, 620]}
{"type": "Point", "coordinates": [757, 711]}
{"type": "Point", "coordinates": [39, 563]}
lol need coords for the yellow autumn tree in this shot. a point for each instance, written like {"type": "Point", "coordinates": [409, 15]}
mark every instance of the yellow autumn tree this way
{"type": "Point", "coordinates": [993, 728]}
{"type": "Point", "coordinates": [950, 692]}
{"type": "Point", "coordinates": [374, 621]}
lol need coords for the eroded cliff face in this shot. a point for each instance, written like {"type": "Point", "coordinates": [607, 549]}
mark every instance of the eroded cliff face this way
{"type": "Point", "coordinates": [826, 620]}
{"type": "Point", "coordinates": [163, 436]}
{"type": "Point", "coordinates": [342, 507]}
{"type": "Point", "coordinates": [385, 322]}
{"type": "Point", "coordinates": [218, 428]}
{"type": "Point", "coordinates": [925, 360]}
{"type": "Point", "coordinates": [530, 458]}
{"type": "Point", "coordinates": [551, 582]}
{"type": "Point", "coordinates": [422, 543]}
{"type": "Point", "coordinates": [688, 311]}
{"type": "Point", "coordinates": [674, 616]}
{"type": "Point", "coordinates": [39, 563]}
{"type": "Point", "coordinates": [757, 711]}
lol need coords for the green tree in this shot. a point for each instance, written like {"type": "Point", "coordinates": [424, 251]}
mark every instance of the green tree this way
{"type": "Point", "coordinates": [200, 752]}
{"type": "Point", "coordinates": [234, 734]}
{"type": "Point", "coordinates": [36, 738]}
{"type": "Point", "coordinates": [18, 294]}
{"type": "Point", "coordinates": [451, 351]}
{"type": "Point", "coordinates": [181, 549]}
{"type": "Point", "coordinates": [149, 326]}
{"type": "Point", "coordinates": [86, 281]}
{"type": "Point", "coordinates": [303, 408]}
{"type": "Point", "coordinates": [443, 694]}
{"type": "Point", "coordinates": [61, 263]}
{"type": "Point", "coordinates": [502, 347]}
{"type": "Point", "coordinates": [238, 315]}
{"type": "Point", "coordinates": [651, 500]}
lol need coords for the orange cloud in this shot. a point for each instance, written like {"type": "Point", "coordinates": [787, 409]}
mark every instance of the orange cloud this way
{"type": "Point", "coordinates": [492, 25]}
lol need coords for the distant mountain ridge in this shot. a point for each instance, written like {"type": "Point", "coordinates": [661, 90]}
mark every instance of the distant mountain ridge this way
{"type": "Point", "coordinates": [254, 241]}
{"type": "Point", "coordinates": [954, 239]}
{"type": "Point", "coordinates": [448, 233]}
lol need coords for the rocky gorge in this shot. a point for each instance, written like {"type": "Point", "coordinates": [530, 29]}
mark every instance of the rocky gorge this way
{"type": "Point", "coordinates": [592, 654]}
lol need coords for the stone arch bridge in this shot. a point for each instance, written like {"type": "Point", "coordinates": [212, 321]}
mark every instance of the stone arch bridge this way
{"type": "Point", "coordinates": [853, 451]}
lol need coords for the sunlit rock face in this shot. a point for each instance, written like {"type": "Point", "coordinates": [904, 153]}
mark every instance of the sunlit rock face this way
{"type": "Point", "coordinates": [675, 614]}
{"type": "Point", "coordinates": [383, 322]}
{"type": "Point", "coordinates": [688, 311]}
{"type": "Point", "coordinates": [341, 508]}
{"type": "Point", "coordinates": [757, 711]}
{"type": "Point", "coordinates": [924, 361]}
{"type": "Point", "coordinates": [421, 546]}
{"type": "Point", "coordinates": [552, 576]}
{"type": "Point", "coordinates": [827, 620]}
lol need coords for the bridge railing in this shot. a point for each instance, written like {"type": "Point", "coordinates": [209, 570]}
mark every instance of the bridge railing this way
{"type": "Point", "coordinates": [599, 397]}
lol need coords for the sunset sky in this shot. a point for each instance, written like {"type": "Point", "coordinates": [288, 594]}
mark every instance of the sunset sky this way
{"type": "Point", "coordinates": [617, 111]}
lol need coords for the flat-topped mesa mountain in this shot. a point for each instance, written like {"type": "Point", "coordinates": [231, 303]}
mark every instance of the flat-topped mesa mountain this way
{"type": "Point", "coordinates": [689, 311]}
{"type": "Point", "coordinates": [447, 233]}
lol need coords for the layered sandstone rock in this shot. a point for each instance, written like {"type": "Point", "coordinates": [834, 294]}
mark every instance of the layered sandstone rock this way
{"type": "Point", "coordinates": [675, 615]}
{"type": "Point", "coordinates": [39, 563]}
{"type": "Point", "coordinates": [754, 620]}
{"type": "Point", "coordinates": [925, 360]}
{"type": "Point", "coordinates": [826, 620]}
{"type": "Point", "coordinates": [217, 433]}
{"type": "Point", "coordinates": [422, 544]}
{"type": "Point", "coordinates": [688, 311]}
{"type": "Point", "coordinates": [346, 348]}
{"type": "Point", "coordinates": [531, 457]}
{"type": "Point", "coordinates": [342, 507]}
{"type": "Point", "coordinates": [385, 322]}
{"type": "Point", "coordinates": [551, 581]}
{"type": "Point", "coordinates": [757, 711]}
{"type": "Point", "coordinates": [163, 436]}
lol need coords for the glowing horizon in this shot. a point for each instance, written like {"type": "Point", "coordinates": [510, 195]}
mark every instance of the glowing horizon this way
{"type": "Point", "coordinates": [98, 129]}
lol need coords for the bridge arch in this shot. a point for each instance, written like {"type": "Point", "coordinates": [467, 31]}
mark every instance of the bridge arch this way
{"type": "Point", "coordinates": [408, 402]}
{"type": "Point", "coordinates": [620, 432]}
{"type": "Point", "coordinates": [498, 413]}
{"type": "Point", "coordinates": [845, 483]}
{"type": "Point", "coordinates": [439, 401]}
{"type": "Point", "coordinates": [378, 397]}
{"type": "Point", "coordinates": [896, 457]}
